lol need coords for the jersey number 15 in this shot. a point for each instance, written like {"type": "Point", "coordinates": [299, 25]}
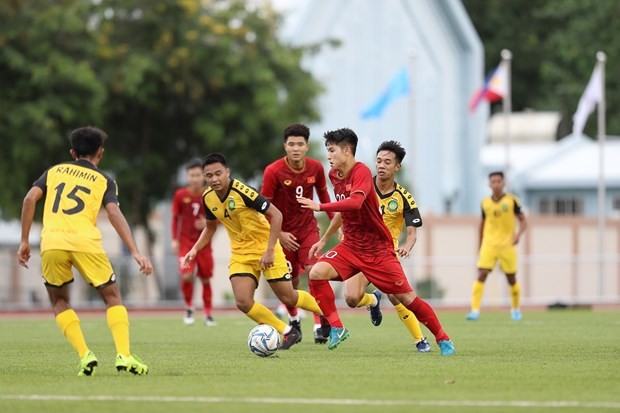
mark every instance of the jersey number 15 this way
{"type": "Point", "coordinates": [73, 195]}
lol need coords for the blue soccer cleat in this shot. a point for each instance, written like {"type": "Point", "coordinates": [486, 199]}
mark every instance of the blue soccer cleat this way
{"type": "Point", "coordinates": [423, 346]}
{"type": "Point", "coordinates": [515, 314]}
{"type": "Point", "coordinates": [474, 315]}
{"type": "Point", "coordinates": [446, 347]}
{"type": "Point", "coordinates": [376, 316]}
{"type": "Point", "coordinates": [337, 336]}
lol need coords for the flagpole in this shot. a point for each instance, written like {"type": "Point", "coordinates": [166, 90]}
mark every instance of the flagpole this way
{"type": "Point", "coordinates": [601, 58]}
{"type": "Point", "coordinates": [507, 109]}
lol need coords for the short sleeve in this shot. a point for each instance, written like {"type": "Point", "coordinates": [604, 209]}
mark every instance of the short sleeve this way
{"type": "Point", "coordinates": [41, 182]}
{"type": "Point", "coordinates": [361, 180]}
{"type": "Point", "coordinates": [111, 193]}
{"type": "Point", "coordinates": [268, 188]}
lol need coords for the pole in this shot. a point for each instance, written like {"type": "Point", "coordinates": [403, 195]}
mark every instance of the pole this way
{"type": "Point", "coordinates": [507, 110]}
{"type": "Point", "coordinates": [601, 58]}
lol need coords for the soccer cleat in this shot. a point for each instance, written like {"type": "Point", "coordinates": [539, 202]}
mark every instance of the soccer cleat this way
{"type": "Point", "coordinates": [88, 364]}
{"type": "Point", "coordinates": [131, 364]}
{"type": "Point", "coordinates": [423, 346]}
{"type": "Point", "coordinates": [515, 314]}
{"type": "Point", "coordinates": [375, 312]}
{"type": "Point", "coordinates": [337, 336]}
{"type": "Point", "coordinates": [319, 338]}
{"type": "Point", "coordinates": [325, 327]}
{"type": "Point", "coordinates": [474, 315]}
{"type": "Point", "coordinates": [446, 347]}
{"type": "Point", "coordinates": [209, 322]}
{"type": "Point", "coordinates": [296, 325]}
{"type": "Point", "coordinates": [292, 337]}
{"type": "Point", "coordinates": [188, 320]}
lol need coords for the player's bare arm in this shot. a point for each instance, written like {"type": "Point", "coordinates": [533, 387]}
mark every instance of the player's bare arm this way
{"type": "Point", "coordinates": [522, 227]}
{"type": "Point", "coordinates": [405, 250]}
{"type": "Point", "coordinates": [28, 208]}
{"type": "Point", "coordinates": [118, 221]}
{"type": "Point", "coordinates": [200, 223]}
{"type": "Point", "coordinates": [334, 225]}
{"type": "Point", "coordinates": [275, 220]}
{"type": "Point", "coordinates": [480, 232]}
{"type": "Point", "coordinates": [205, 237]}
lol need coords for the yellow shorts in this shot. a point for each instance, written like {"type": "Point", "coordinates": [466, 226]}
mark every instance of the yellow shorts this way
{"type": "Point", "coordinates": [507, 258]}
{"type": "Point", "coordinates": [95, 268]}
{"type": "Point", "coordinates": [241, 264]}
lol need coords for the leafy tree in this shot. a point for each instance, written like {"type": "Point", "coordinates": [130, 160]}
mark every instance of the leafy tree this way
{"type": "Point", "coordinates": [185, 80]}
{"type": "Point", "coordinates": [168, 80]}
{"type": "Point", "coordinates": [553, 44]}
{"type": "Point", "coordinates": [47, 87]}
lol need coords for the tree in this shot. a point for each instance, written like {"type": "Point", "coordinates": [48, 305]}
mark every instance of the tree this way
{"type": "Point", "coordinates": [48, 86]}
{"type": "Point", "coordinates": [168, 81]}
{"type": "Point", "coordinates": [553, 43]}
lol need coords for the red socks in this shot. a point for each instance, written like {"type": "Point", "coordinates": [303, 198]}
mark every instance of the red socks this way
{"type": "Point", "coordinates": [206, 297]}
{"type": "Point", "coordinates": [324, 295]}
{"type": "Point", "coordinates": [427, 316]}
{"type": "Point", "coordinates": [187, 288]}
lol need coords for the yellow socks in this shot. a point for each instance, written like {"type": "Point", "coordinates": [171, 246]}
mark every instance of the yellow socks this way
{"type": "Point", "coordinates": [410, 321]}
{"type": "Point", "coordinates": [367, 300]}
{"type": "Point", "coordinates": [262, 315]}
{"type": "Point", "coordinates": [307, 302]}
{"type": "Point", "coordinates": [118, 323]}
{"type": "Point", "coordinates": [69, 324]}
{"type": "Point", "coordinates": [515, 295]}
{"type": "Point", "coordinates": [476, 295]}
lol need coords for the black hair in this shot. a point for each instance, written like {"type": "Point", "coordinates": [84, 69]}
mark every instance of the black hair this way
{"type": "Point", "coordinates": [395, 147]}
{"type": "Point", "coordinates": [496, 173]}
{"type": "Point", "coordinates": [86, 141]}
{"type": "Point", "coordinates": [297, 129]}
{"type": "Point", "coordinates": [214, 158]}
{"type": "Point", "coordinates": [341, 137]}
{"type": "Point", "coordinates": [194, 163]}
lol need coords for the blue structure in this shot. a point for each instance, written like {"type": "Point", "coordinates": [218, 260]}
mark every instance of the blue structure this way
{"type": "Point", "coordinates": [436, 40]}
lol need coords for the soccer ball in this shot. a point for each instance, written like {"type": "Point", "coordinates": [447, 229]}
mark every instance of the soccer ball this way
{"type": "Point", "coordinates": [264, 340]}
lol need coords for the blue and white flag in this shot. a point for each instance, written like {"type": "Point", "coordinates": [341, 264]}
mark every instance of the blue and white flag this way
{"type": "Point", "coordinates": [398, 87]}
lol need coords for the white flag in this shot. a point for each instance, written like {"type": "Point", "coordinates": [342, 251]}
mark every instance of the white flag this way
{"type": "Point", "coordinates": [591, 96]}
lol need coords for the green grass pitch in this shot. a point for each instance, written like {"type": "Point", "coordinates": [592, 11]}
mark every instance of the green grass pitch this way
{"type": "Point", "coordinates": [564, 361]}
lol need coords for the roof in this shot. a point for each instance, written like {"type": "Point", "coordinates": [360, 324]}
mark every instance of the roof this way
{"type": "Point", "coordinates": [571, 163]}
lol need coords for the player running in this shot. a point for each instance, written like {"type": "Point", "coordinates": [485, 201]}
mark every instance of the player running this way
{"type": "Point", "coordinates": [498, 242]}
{"type": "Point", "coordinates": [74, 193]}
{"type": "Point", "coordinates": [293, 176]}
{"type": "Point", "coordinates": [397, 207]}
{"type": "Point", "coordinates": [188, 221]}
{"type": "Point", "coordinates": [367, 246]}
{"type": "Point", "coordinates": [254, 244]}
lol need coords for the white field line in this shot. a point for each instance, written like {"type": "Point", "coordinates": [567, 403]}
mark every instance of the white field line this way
{"type": "Point", "coordinates": [327, 402]}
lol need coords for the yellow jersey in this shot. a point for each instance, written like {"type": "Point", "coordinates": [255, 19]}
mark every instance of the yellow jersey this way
{"type": "Point", "coordinates": [397, 208]}
{"type": "Point", "coordinates": [499, 220]}
{"type": "Point", "coordinates": [242, 212]}
{"type": "Point", "coordinates": [74, 192]}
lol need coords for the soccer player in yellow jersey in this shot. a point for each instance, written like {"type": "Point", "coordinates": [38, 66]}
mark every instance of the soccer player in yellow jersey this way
{"type": "Point", "coordinates": [397, 207]}
{"type": "Point", "coordinates": [254, 244]}
{"type": "Point", "coordinates": [74, 193]}
{"type": "Point", "coordinates": [498, 240]}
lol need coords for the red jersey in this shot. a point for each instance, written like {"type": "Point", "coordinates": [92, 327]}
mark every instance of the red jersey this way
{"type": "Point", "coordinates": [364, 230]}
{"type": "Point", "coordinates": [282, 185]}
{"type": "Point", "coordinates": [186, 209]}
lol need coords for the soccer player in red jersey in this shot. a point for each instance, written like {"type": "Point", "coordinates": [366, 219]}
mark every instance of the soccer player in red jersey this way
{"type": "Point", "coordinates": [367, 246]}
{"type": "Point", "coordinates": [285, 180]}
{"type": "Point", "coordinates": [188, 221]}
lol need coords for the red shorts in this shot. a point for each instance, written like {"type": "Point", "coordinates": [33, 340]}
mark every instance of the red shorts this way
{"type": "Point", "coordinates": [382, 269]}
{"type": "Point", "coordinates": [202, 265]}
{"type": "Point", "coordinates": [297, 260]}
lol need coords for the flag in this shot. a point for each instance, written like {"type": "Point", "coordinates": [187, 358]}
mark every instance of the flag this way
{"type": "Point", "coordinates": [398, 87]}
{"type": "Point", "coordinates": [494, 89]}
{"type": "Point", "coordinates": [591, 96]}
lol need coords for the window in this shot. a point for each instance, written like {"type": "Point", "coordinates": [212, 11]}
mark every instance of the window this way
{"type": "Point", "coordinates": [561, 205]}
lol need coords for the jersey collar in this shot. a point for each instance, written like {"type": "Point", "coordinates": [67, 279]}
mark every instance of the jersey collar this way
{"type": "Point", "coordinates": [378, 191]}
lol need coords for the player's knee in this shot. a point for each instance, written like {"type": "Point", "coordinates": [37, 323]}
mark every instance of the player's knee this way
{"type": "Point", "coordinates": [352, 301]}
{"type": "Point", "coordinates": [244, 304]}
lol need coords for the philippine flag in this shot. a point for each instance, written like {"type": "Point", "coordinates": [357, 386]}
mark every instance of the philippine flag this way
{"type": "Point", "coordinates": [494, 89]}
